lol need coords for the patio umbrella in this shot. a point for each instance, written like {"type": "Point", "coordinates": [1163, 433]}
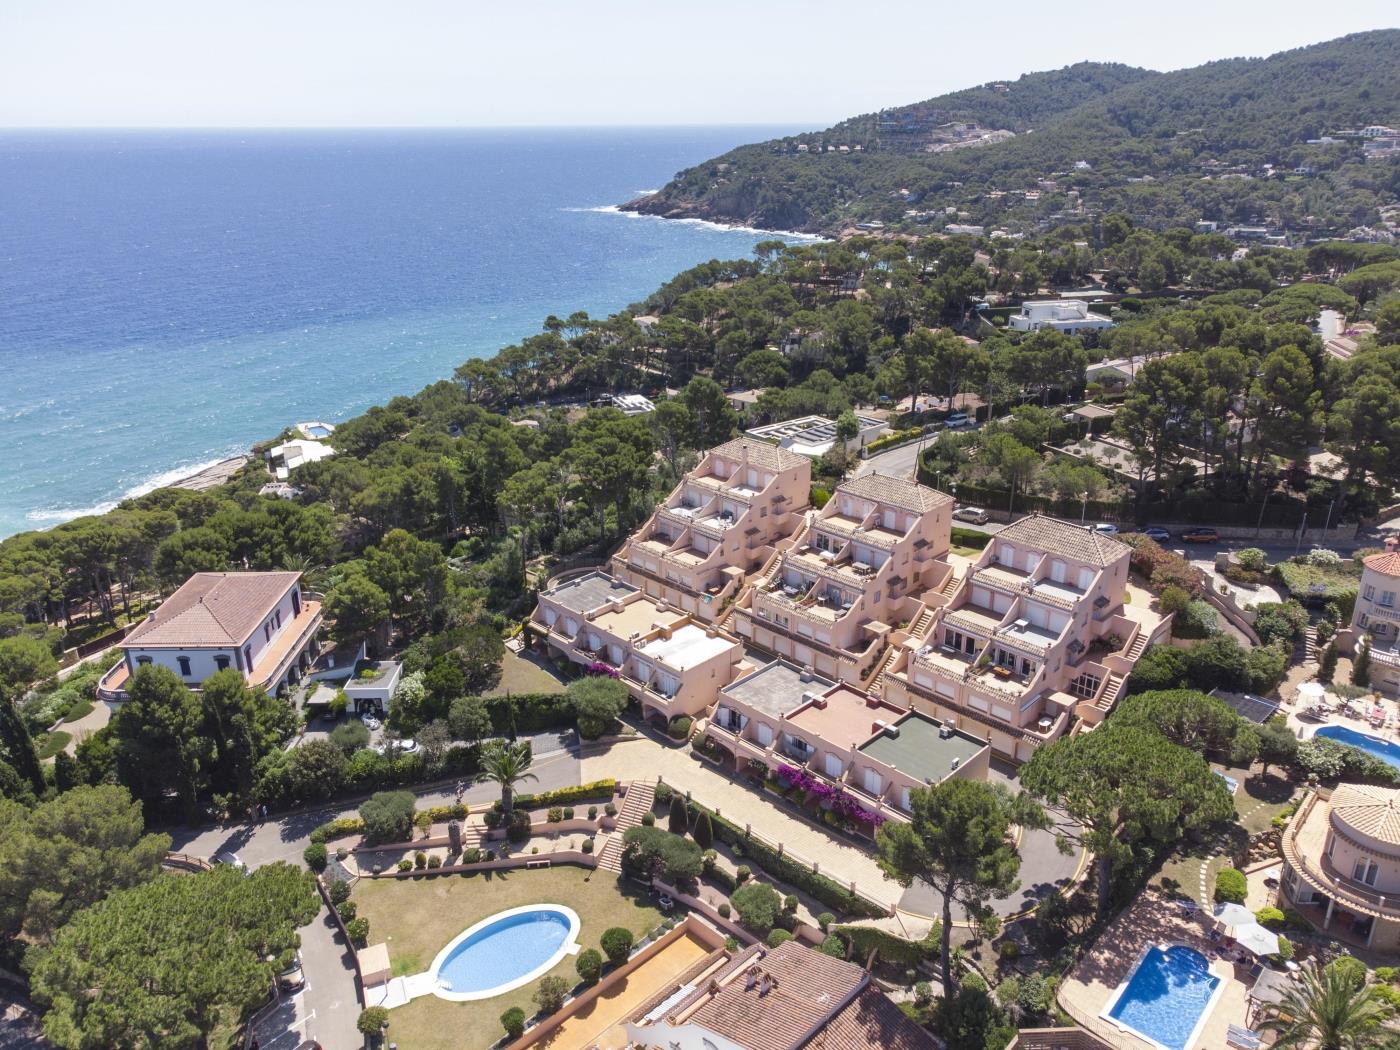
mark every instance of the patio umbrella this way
{"type": "Point", "coordinates": [1233, 917]}
{"type": "Point", "coordinates": [1257, 939]}
{"type": "Point", "coordinates": [1312, 692]}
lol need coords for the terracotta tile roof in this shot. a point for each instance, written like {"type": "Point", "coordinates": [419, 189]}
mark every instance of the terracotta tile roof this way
{"type": "Point", "coordinates": [1387, 563]}
{"type": "Point", "coordinates": [1053, 536]}
{"type": "Point", "coordinates": [871, 1021]}
{"type": "Point", "coordinates": [759, 453]}
{"type": "Point", "coordinates": [895, 492]}
{"type": "Point", "coordinates": [213, 609]}
{"type": "Point", "coordinates": [1368, 810]}
{"type": "Point", "coordinates": [804, 1009]}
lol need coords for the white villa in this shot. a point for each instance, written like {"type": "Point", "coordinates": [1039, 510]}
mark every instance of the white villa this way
{"type": "Point", "coordinates": [286, 457]}
{"type": "Point", "coordinates": [1070, 316]}
{"type": "Point", "coordinates": [260, 623]}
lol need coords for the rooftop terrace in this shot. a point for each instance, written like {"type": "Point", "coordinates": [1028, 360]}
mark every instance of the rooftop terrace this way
{"type": "Point", "coordinates": [920, 751]}
{"type": "Point", "coordinates": [589, 592]}
{"type": "Point", "coordinates": [689, 646]}
{"type": "Point", "coordinates": [776, 688]}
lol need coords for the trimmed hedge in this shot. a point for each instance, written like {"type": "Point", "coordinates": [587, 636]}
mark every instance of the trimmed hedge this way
{"type": "Point", "coordinates": [784, 869]}
{"type": "Point", "coordinates": [528, 712]}
{"type": "Point", "coordinates": [897, 950]}
{"type": "Point", "coordinates": [341, 827]}
{"type": "Point", "coordinates": [970, 538]}
{"type": "Point", "coordinates": [567, 796]}
{"type": "Point", "coordinates": [899, 437]}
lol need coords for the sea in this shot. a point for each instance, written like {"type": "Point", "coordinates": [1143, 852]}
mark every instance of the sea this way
{"type": "Point", "coordinates": [169, 298]}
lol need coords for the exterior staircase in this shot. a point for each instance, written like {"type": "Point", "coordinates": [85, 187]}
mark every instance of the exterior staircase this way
{"type": "Point", "coordinates": [640, 798]}
{"type": "Point", "coordinates": [1137, 648]}
{"type": "Point", "coordinates": [1112, 690]}
{"type": "Point", "coordinates": [950, 586]}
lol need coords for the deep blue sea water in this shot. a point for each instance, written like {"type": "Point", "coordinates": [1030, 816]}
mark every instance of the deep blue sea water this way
{"type": "Point", "coordinates": [168, 298]}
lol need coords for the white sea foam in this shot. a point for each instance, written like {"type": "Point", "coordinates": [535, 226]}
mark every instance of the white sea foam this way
{"type": "Point", "coordinates": [50, 516]}
{"type": "Point", "coordinates": [721, 227]}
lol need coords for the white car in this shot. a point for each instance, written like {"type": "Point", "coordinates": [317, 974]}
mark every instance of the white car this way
{"type": "Point", "coordinates": [1103, 528]}
{"type": "Point", "coordinates": [957, 419]}
{"type": "Point", "coordinates": [404, 747]}
{"type": "Point", "coordinates": [976, 515]}
{"type": "Point", "coordinates": [369, 721]}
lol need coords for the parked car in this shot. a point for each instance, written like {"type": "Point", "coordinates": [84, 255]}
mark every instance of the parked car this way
{"type": "Point", "coordinates": [1200, 534]}
{"type": "Point", "coordinates": [1156, 532]}
{"type": "Point", "coordinates": [293, 978]}
{"type": "Point", "coordinates": [232, 859]}
{"type": "Point", "coordinates": [370, 722]}
{"type": "Point", "coordinates": [957, 419]}
{"type": "Point", "coordinates": [404, 747]}
{"type": "Point", "coordinates": [1105, 528]}
{"type": "Point", "coordinates": [976, 515]}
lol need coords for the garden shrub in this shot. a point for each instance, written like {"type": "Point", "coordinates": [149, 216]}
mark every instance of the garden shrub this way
{"type": "Point", "coordinates": [790, 904]}
{"type": "Point", "coordinates": [679, 728]}
{"type": "Point", "coordinates": [703, 832]}
{"type": "Point", "coordinates": [568, 812]}
{"type": "Point", "coordinates": [1270, 917]}
{"type": "Point", "coordinates": [1230, 886]}
{"type": "Point", "coordinates": [420, 860]}
{"type": "Point", "coordinates": [434, 861]}
{"type": "Point", "coordinates": [610, 810]}
{"type": "Point", "coordinates": [777, 937]}
{"type": "Point", "coordinates": [833, 946]}
{"type": "Point", "coordinates": [742, 874]}
{"type": "Point", "coordinates": [824, 921]}
{"type": "Point", "coordinates": [358, 930]}
{"type": "Point", "coordinates": [677, 819]}
{"type": "Point", "coordinates": [556, 814]}
{"type": "Point", "coordinates": [889, 947]}
{"type": "Point", "coordinates": [589, 964]}
{"type": "Point", "coordinates": [372, 1020]}
{"type": "Point", "coordinates": [731, 945]}
{"type": "Point", "coordinates": [519, 828]}
{"type": "Point", "coordinates": [592, 812]}
{"type": "Point", "coordinates": [595, 789]}
{"type": "Point", "coordinates": [339, 828]}
{"type": "Point", "coordinates": [316, 856]}
{"type": "Point", "coordinates": [387, 816]}
{"type": "Point", "coordinates": [405, 865]}
{"type": "Point", "coordinates": [550, 994]}
{"type": "Point", "coordinates": [347, 910]}
{"type": "Point", "coordinates": [648, 819]}
{"type": "Point", "coordinates": [663, 793]}
{"type": "Point", "coordinates": [472, 855]}
{"type": "Point", "coordinates": [723, 909]}
{"type": "Point", "coordinates": [513, 1021]}
{"type": "Point", "coordinates": [758, 906]}
{"type": "Point", "coordinates": [1285, 949]}
{"type": "Point", "coordinates": [616, 943]}
{"type": "Point", "coordinates": [587, 845]}
{"type": "Point", "coordinates": [338, 891]}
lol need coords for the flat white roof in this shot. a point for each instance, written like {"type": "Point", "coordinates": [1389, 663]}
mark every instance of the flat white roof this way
{"type": "Point", "coordinates": [689, 646]}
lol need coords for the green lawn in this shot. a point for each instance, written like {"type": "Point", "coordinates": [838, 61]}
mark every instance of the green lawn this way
{"type": "Point", "coordinates": [416, 917]}
{"type": "Point", "coordinates": [519, 675]}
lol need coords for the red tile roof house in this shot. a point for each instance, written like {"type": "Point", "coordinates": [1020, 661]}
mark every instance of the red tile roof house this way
{"type": "Point", "coordinates": [260, 623]}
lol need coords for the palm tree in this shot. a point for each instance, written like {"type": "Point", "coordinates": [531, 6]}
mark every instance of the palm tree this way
{"type": "Point", "coordinates": [506, 764]}
{"type": "Point", "coordinates": [1328, 1010]}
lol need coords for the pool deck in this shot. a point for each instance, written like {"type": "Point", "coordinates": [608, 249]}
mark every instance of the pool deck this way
{"type": "Point", "coordinates": [1151, 919]}
{"type": "Point", "coordinates": [602, 1023]}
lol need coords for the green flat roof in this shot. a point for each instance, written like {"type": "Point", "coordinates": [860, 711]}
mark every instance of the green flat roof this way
{"type": "Point", "coordinates": [920, 751]}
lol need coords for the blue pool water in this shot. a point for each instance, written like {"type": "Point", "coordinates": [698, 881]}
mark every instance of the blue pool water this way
{"type": "Point", "coordinates": [1372, 745]}
{"type": "Point", "coordinates": [318, 432]}
{"type": "Point", "coordinates": [1166, 995]}
{"type": "Point", "coordinates": [504, 951]}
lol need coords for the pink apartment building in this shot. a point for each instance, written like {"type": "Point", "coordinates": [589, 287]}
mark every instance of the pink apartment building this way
{"type": "Point", "coordinates": [672, 663]}
{"type": "Point", "coordinates": [781, 714]}
{"type": "Point", "coordinates": [718, 525]}
{"type": "Point", "coordinates": [857, 570]}
{"type": "Point", "coordinates": [1036, 630]}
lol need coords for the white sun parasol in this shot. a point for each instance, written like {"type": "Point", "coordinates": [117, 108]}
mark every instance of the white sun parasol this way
{"type": "Point", "coordinates": [1312, 691]}
{"type": "Point", "coordinates": [1231, 917]}
{"type": "Point", "coordinates": [1257, 939]}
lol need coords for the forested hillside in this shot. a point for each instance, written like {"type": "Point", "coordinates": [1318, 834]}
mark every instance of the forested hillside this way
{"type": "Point", "coordinates": [1168, 149]}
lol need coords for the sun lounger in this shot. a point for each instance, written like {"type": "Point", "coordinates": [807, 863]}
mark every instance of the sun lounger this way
{"type": "Point", "coordinates": [1243, 1038]}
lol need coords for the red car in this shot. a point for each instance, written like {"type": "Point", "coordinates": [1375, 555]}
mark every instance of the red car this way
{"type": "Point", "coordinates": [1200, 534]}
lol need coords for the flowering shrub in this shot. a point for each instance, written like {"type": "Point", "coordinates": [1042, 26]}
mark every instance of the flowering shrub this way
{"type": "Point", "coordinates": [598, 667]}
{"type": "Point", "coordinates": [830, 796]}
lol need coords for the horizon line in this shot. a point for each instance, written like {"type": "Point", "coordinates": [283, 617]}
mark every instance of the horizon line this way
{"type": "Point", "coordinates": [395, 127]}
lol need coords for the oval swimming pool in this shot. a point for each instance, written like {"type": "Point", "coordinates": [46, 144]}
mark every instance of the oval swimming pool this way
{"type": "Point", "coordinates": [1166, 997]}
{"type": "Point", "coordinates": [1372, 745]}
{"type": "Point", "coordinates": [504, 951]}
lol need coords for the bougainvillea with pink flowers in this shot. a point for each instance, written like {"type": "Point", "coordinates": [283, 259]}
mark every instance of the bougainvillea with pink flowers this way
{"type": "Point", "coordinates": [597, 667]}
{"type": "Point", "coordinates": [829, 796]}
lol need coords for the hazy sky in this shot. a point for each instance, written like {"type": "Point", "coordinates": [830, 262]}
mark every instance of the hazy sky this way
{"type": "Point", "coordinates": [434, 62]}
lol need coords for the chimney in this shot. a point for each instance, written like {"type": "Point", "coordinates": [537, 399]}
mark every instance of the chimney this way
{"type": "Point", "coordinates": [1390, 544]}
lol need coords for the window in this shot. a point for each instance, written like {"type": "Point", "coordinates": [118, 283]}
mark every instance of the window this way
{"type": "Point", "coordinates": [184, 662]}
{"type": "Point", "coordinates": [143, 660]}
{"type": "Point", "coordinates": [1365, 871]}
{"type": "Point", "coordinates": [873, 783]}
{"type": "Point", "coordinates": [277, 619]}
{"type": "Point", "coordinates": [1388, 599]}
{"type": "Point", "coordinates": [267, 631]}
{"type": "Point", "coordinates": [248, 656]}
{"type": "Point", "coordinates": [1369, 593]}
{"type": "Point", "coordinates": [764, 734]}
{"type": "Point", "coordinates": [1363, 620]}
{"type": "Point", "coordinates": [221, 662]}
{"type": "Point", "coordinates": [833, 766]}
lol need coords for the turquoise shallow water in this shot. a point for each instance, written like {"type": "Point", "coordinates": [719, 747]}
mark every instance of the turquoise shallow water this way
{"type": "Point", "coordinates": [166, 299]}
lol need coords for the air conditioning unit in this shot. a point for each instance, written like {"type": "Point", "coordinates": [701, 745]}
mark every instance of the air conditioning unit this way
{"type": "Point", "coordinates": [956, 762]}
